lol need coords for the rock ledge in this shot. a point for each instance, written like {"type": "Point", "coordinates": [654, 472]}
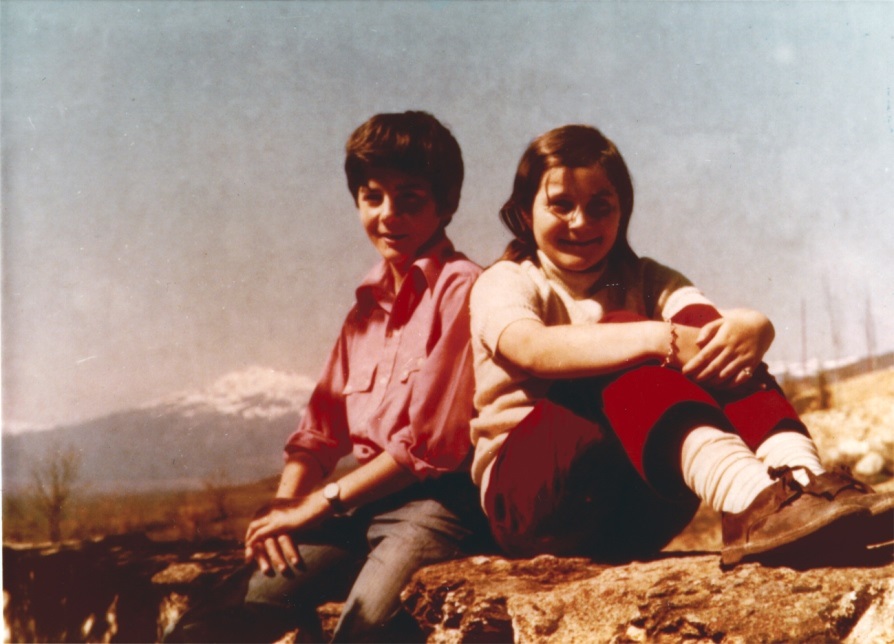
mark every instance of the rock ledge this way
{"type": "Point", "coordinates": [129, 589]}
{"type": "Point", "coordinates": [682, 596]}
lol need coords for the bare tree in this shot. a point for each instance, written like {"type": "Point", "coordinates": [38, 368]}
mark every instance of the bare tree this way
{"type": "Point", "coordinates": [54, 479]}
{"type": "Point", "coordinates": [870, 334]}
{"type": "Point", "coordinates": [803, 335]}
{"type": "Point", "coordinates": [217, 486]}
{"type": "Point", "coordinates": [834, 327]}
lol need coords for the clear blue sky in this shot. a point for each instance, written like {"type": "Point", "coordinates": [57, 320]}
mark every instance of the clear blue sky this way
{"type": "Point", "coordinates": [174, 206]}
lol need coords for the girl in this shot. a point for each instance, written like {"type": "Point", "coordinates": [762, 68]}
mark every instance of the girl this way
{"type": "Point", "coordinates": [601, 439]}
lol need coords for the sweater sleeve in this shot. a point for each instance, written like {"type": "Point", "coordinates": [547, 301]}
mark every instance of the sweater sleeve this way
{"type": "Point", "coordinates": [676, 297]}
{"type": "Point", "coordinates": [502, 295]}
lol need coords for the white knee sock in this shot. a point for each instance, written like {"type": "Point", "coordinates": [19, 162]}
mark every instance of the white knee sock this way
{"type": "Point", "coordinates": [791, 448]}
{"type": "Point", "coordinates": [721, 470]}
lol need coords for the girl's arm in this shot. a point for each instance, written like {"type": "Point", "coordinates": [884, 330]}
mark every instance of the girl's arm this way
{"type": "Point", "coordinates": [581, 350]}
{"type": "Point", "coordinates": [731, 347]}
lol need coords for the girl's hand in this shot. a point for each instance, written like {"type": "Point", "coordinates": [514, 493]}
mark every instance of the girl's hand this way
{"type": "Point", "coordinates": [267, 540]}
{"type": "Point", "coordinates": [730, 348]}
{"type": "Point", "coordinates": [687, 346]}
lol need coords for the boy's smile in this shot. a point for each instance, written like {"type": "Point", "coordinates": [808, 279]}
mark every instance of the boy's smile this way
{"type": "Point", "coordinates": [575, 217]}
{"type": "Point", "coordinates": [399, 214]}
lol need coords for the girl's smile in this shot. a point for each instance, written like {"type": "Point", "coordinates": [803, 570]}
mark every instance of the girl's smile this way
{"type": "Point", "coordinates": [576, 243]}
{"type": "Point", "coordinates": [575, 217]}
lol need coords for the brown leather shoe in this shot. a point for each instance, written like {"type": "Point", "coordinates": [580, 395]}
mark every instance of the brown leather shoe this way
{"type": "Point", "coordinates": [839, 484]}
{"type": "Point", "coordinates": [782, 514]}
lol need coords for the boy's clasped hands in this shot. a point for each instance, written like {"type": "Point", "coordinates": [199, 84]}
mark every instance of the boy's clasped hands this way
{"type": "Point", "coordinates": [267, 539]}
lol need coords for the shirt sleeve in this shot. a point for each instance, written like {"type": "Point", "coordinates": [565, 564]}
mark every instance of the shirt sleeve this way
{"type": "Point", "coordinates": [323, 430]}
{"type": "Point", "coordinates": [502, 295]}
{"type": "Point", "coordinates": [434, 437]}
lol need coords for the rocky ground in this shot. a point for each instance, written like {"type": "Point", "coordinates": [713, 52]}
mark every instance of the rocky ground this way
{"type": "Point", "coordinates": [130, 588]}
{"type": "Point", "coordinates": [684, 597]}
{"type": "Point", "coordinates": [859, 428]}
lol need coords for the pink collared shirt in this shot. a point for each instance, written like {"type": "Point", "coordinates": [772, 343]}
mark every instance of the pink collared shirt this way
{"type": "Point", "coordinates": [400, 376]}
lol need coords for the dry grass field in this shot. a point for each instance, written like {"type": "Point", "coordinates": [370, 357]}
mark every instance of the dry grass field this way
{"type": "Point", "coordinates": [219, 511]}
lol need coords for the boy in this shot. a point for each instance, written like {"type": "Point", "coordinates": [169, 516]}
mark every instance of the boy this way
{"type": "Point", "coordinates": [397, 393]}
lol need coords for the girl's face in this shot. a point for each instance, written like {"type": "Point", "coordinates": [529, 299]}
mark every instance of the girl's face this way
{"type": "Point", "coordinates": [399, 214]}
{"type": "Point", "coordinates": [575, 217]}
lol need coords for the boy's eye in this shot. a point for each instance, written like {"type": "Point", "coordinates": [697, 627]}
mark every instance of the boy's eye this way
{"type": "Point", "coordinates": [372, 197]}
{"type": "Point", "coordinates": [412, 201]}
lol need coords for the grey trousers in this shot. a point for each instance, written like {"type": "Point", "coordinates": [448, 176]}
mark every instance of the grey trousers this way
{"type": "Point", "coordinates": [364, 559]}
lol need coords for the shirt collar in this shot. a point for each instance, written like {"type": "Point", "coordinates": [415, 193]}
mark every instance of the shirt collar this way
{"type": "Point", "coordinates": [375, 288]}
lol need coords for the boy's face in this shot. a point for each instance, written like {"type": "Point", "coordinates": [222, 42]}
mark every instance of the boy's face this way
{"type": "Point", "coordinates": [399, 214]}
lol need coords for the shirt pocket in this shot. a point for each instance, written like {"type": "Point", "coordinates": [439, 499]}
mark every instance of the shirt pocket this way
{"type": "Point", "coordinates": [360, 380]}
{"type": "Point", "coordinates": [410, 367]}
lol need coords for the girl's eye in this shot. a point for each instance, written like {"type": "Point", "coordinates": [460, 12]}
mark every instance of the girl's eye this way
{"type": "Point", "coordinates": [561, 207]}
{"type": "Point", "coordinates": [599, 209]}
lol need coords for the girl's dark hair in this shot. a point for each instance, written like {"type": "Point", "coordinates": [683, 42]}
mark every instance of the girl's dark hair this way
{"type": "Point", "coordinates": [412, 142]}
{"type": "Point", "coordinates": [570, 146]}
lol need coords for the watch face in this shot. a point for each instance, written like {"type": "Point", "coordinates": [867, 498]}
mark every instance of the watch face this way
{"type": "Point", "coordinates": [331, 491]}
{"type": "Point", "coordinates": [332, 494]}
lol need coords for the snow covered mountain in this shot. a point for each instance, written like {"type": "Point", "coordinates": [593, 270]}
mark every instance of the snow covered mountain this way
{"type": "Point", "coordinates": [255, 393]}
{"type": "Point", "coordinates": [232, 430]}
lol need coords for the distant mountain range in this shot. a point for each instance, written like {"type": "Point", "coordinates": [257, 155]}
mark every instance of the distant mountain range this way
{"type": "Point", "coordinates": [232, 432]}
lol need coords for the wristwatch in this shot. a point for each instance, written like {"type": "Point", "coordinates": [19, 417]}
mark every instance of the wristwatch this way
{"type": "Point", "coordinates": [332, 494]}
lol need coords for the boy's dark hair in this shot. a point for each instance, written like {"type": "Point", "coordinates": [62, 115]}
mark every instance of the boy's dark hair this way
{"type": "Point", "coordinates": [570, 146]}
{"type": "Point", "coordinates": [412, 142]}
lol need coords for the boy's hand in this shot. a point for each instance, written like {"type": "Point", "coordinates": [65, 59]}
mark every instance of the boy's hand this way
{"type": "Point", "coordinates": [274, 554]}
{"type": "Point", "coordinates": [267, 540]}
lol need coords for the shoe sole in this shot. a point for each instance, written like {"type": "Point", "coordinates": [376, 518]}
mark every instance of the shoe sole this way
{"type": "Point", "coordinates": [886, 505]}
{"type": "Point", "coordinates": [880, 526]}
{"type": "Point", "coordinates": [732, 555]}
{"type": "Point", "coordinates": [839, 545]}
